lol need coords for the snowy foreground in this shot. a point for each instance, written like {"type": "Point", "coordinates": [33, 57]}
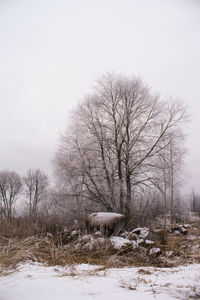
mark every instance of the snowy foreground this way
{"type": "Point", "coordinates": [35, 281]}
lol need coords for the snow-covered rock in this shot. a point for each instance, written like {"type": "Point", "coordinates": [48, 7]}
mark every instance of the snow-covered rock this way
{"type": "Point", "coordinates": [129, 235]}
{"type": "Point", "coordinates": [177, 229]}
{"type": "Point", "coordinates": [187, 226]}
{"type": "Point", "coordinates": [135, 244]}
{"type": "Point", "coordinates": [107, 222]}
{"type": "Point", "coordinates": [98, 234]}
{"type": "Point", "coordinates": [148, 243]}
{"type": "Point", "coordinates": [74, 233]}
{"type": "Point", "coordinates": [89, 243]}
{"type": "Point", "coordinates": [154, 252]}
{"type": "Point", "coordinates": [120, 243]}
{"type": "Point", "coordinates": [141, 232]}
{"type": "Point", "coordinates": [169, 253]}
{"type": "Point", "coordinates": [69, 235]}
{"type": "Point", "coordinates": [140, 242]}
{"type": "Point", "coordinates": [105, 216]}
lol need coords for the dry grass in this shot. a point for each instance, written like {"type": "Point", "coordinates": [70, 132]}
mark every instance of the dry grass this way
{"type": "Point", "coordinates": [144, 272]}
{"type": "Point", "coordinates": [45, 250]}
{"type": "Point", "coordinates": [19, 243]}
{"type": "Point", "coordinates": [185, 248]}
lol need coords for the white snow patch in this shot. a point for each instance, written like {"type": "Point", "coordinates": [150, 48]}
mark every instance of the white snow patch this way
{"type": "Point", "coordinates": [154, 251]}
{"type": "Point", "coordinates": [119, 242]}
{"type": "Point", "coordinates": [88, 242]}
{"type": "Point", "coordinates": [143, 232]}
{"type": "Point", "coordinates": [148, 242]}
{"type": "Point", "coordinates": [85, 282]}
{"type": "Point", "coordinates": [135, 244]}
{"type": "Point", "coordinates": [74, 233]}
{"type": "Point", "coordinates": [187, 225]}
{"type": "Point", "coordinates": [140, 241]}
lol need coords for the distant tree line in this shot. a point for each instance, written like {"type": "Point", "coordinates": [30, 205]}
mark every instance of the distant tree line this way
{"type": "Point", "coordinates": [33, 186]}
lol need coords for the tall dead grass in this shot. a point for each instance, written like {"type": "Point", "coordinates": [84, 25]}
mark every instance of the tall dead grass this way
{"type": "Point", "coordinates": [22, 242]}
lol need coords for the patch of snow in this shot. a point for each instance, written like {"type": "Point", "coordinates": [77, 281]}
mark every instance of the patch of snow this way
{"type": "Point", "coordinates": [135, 244]}
{"type": "Point", "coordinates": [88, 242]}
{"type": "Point", "coordinates": [169, 253]}
{"type": "Point", "coordinates": [74, 233]}
{"type": "Point", "coordinates": [154, 251]}
{"type": "Point", "coordinates": [180, 228]}
{"type": "Point", "coordinates": [177, 232]}
{"type": "Point", "coordinates": [187, 225]}
{"type": "Point", "coordinates": [85, 282]}
{"type": "Point", "coordinates": [98, 234]}
{"type": "Point", "coordinates": [129, 235]}
{"type": "Point", "coordinates": [148, 242]}
{"type": "Point", "coordinates": [183, 230]}
{"type": "Point", "coordinates": [141, 232]}
{"type": "Point", "coordinates": [140, 241]}
{"type": "Point", "coordinates": [119, 242]}
{"type": "Point", "coordinates": [86, 237]}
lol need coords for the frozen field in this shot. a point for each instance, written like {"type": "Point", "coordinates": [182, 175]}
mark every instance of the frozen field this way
{"type": "Point", "coordinates": [37, 282]}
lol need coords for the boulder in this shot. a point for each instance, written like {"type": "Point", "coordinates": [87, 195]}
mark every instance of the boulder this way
{"type": "Point", "coordinates": [155, 252]}
{"type": "Point", "coordinates": [120, 243]}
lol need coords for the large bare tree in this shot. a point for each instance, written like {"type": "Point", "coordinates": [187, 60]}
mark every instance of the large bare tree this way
{"type": "Point", "coordinates": [10, 188]}
{"type": "Point", "coordinates": [115, 136]}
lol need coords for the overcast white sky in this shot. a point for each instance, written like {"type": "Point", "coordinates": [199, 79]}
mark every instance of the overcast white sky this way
{"type": "Point", "coordinates": [51, 52]}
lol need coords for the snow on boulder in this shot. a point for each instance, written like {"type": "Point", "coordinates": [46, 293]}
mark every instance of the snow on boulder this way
{"type": "Point", "coordinates": [89, 243]}
{"type": "Point", "coordinates": [140, 242]}
{"type": "Point", "coordinates": [187, 226]}
{"type": "Point", "coordinates": [69, 235]}
{"type": "Point", "coordinates": [107, 222]}
{"type": "Point", "coordinates": [135, 244]}
{"type": "Point", "coordinates": [177, 229]}
{"type": "Point", "coordinates": [84, 243]}
{"type": "Point", "coordinates": [74, 233]}
{"type": "Point", "coordinates": [120, 243]}
{"type": "Point", "coordinates": [169, 253]}
{"type": "Point", "coordinates": [129, 235]}
{"type": "Point", "coordinates": [141, 232]}
{"type": "Point", "coordinates": [148, 243]}
{"type": "Point", "coordinates": [154, 252]}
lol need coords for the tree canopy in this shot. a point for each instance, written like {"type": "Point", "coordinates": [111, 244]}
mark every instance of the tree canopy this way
{"type": "Point", "coordinates": [112, 148]}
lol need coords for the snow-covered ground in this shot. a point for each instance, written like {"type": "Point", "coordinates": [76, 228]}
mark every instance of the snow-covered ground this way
{"type": "Point", "coordinates": [37, 282]}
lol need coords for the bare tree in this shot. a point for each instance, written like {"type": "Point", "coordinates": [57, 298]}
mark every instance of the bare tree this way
{"type": "Point", "coordinates": [167, 168]}
{"type": "Point", "coordinates": [36, 183]}
{"type": "Point", "coordinates": [10, 188]}
{"type": "Point", "coordinates": [116, 134]}
{"type": "Point", "coordinates": [195, 202]}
